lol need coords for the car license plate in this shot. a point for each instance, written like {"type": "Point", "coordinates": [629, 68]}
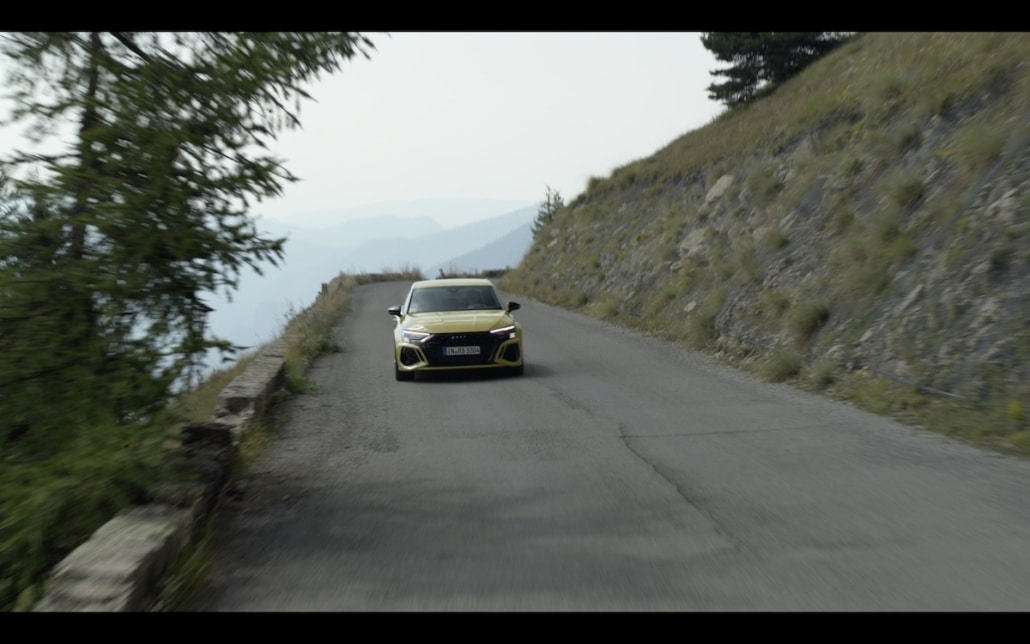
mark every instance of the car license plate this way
{"type": "Point", "coordinates": [461, 351]}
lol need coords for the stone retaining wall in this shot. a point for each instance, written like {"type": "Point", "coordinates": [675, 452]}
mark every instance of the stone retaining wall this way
{"type": "Point", "coordinates": [121, 566]}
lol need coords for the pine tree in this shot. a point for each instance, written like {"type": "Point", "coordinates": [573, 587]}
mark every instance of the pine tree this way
{"type": "Point", "coordinates": [763, 59]}
{"type": "Point", "coordinates": [553, 202]}
{"type": "Point", "coordinates": [107, 245]}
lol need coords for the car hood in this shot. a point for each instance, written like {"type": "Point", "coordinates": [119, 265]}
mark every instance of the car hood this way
{"type": "Point", "coordinates": [457, 321]}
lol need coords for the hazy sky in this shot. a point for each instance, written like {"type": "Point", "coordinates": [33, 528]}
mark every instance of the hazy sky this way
{"type": "Point", "coordinates": [492, 115]}
{"type": "Point", "coordinates": [497, 115]}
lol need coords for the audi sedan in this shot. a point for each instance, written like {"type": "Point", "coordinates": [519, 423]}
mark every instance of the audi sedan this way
{"type": "Point", "coordinates": [455, 324]}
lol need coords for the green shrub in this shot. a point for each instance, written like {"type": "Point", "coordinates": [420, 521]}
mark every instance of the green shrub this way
{"type": "Point", "coordinates": [823, 373]}
{"type": "Point", "coordinates": [578, 298]}
{"type": "Point", "coordinates": [774, 303]}
{"type": "Point", "coordinates": [1001, 257]}
{"type": "Point", "coordinates": [904, 188]}
{"type": "Point", "coordinates": [749, 269]}
{"type": "Point", "coordinates": [978, 145]}
{"type": "Point", "coordinates": [868, 280]}
{"type": "Point", "coordinates": [884, 227]}
{"type": "Point", "coordinates": [1021, 441]}
{"type": "Point", "coordinates": [806, 319]}
{"type": "Point", "coordinates": [775, 239]}
{"type": "Point", "coordinates": [782, 365]}
{"type": "Point", "coordinates": [763, 184]}
{"type": "Point", "coordinates": [901, 248]}
{"type": "Point", "coordinates": [1014, 410]}
{"type": "Point", "coordinates": [606, 307]}
{"type": "Point", "coordinates": [842, 219]}
{"type": "Point", "coordinates": [52, 503]}
{"type": "Point", "coordinates": [701, 328]}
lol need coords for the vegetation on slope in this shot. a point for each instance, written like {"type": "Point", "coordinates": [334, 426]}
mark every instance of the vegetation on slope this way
{"type": "Point", "coordinates": [862, 230]}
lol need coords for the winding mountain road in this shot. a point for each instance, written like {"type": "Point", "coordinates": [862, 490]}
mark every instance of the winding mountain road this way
{"type": "Point", "coordinates": [620, 473]}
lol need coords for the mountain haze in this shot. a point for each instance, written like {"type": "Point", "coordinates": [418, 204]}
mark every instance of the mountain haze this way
{"type": "Point", "coordinates": [457, 212]}
{"type": "Point", "coordinates": [352, 232]}
{"type": "Point", "coordinates": [489, 257]}
{"type": "Point", "coordinates": [256, 311]}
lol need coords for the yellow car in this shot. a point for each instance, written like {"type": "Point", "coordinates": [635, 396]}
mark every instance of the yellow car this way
{"type": "Point", "coordinates": [455, 324]}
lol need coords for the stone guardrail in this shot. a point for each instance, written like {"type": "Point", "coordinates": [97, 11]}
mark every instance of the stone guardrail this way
{"type": "Point", "coordinates": [121, 566]}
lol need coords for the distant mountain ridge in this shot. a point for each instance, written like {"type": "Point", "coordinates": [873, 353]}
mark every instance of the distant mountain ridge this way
{"type": "Point", "coordinates": [495, 255]}
{"type": "Point", "coordinates": [354, 232]}
{"type": "Point", "coordinates": [256, 311]}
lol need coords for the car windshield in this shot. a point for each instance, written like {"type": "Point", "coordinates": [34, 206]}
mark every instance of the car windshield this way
{"type": "Point", "coordinates": [453, 298]}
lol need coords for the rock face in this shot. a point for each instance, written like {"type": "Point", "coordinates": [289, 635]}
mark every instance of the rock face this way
{"type": "Point", "coordinates": [883, 235]}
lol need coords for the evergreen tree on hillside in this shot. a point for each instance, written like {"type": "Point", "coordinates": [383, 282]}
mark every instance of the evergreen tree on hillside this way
{"type": "Point", "coordinates": [762, 59]}
{"type": "Point", "coordinates": [553, 202]}
{"type": "Point", "coordinates": [107, 244]}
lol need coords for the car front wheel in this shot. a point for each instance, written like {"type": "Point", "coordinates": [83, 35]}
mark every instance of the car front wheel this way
{"type": "Point", "coordinates": [403, 375]}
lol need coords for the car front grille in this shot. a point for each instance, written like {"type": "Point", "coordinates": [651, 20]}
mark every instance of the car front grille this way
{"type": "Point", "coordinates": [434, 349]}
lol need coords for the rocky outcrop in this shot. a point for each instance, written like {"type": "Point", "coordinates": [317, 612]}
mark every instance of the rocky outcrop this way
{"type": "Point", "coordinates": [886, 237]}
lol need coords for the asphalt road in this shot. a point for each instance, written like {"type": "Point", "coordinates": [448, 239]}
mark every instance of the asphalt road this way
{"type": "Point", "coordinates": [620, 473]}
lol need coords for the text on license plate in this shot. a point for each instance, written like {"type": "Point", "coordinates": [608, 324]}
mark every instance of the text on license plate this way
{"type": "Point", "coordinates": [461, 351]}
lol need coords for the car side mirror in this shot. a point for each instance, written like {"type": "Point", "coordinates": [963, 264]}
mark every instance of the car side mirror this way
{"type": "Point", "coordinates": [394, 310]}
{"type": "Point", "coordinates": [513, 306]}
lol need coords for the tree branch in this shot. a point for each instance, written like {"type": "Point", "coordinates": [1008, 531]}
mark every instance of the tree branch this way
{"type": "Point", "coordinates": [130, 44]}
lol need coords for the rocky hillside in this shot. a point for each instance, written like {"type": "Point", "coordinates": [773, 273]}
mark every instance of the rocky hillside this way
{"type": "Point", "coordinates": [867, 222]}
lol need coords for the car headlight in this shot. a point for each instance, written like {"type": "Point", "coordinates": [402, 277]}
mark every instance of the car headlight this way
{"type": "Point", "coordinates": [415, 337]}
{"type": "Point", "coordinates": [506, 333]}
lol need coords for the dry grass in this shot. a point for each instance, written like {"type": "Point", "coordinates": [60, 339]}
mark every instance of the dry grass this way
{"type": "Point", "coordinates": [917, 70]}
{"type": "Point", "coordinates": [861, 114]}
{"type": "Point", "coordinates": [199, 403]}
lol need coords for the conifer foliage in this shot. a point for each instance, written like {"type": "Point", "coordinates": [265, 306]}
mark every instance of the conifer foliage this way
{"type": "Point", "coordinates": [110, 235]}
{"type": "Point", "coordinates": [763, 59]}
{"type": "Point", "coordinates": [551, 204]}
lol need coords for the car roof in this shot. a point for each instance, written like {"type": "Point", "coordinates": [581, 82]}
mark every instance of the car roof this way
{"type": "Point", "coordinates": [452, 281]}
